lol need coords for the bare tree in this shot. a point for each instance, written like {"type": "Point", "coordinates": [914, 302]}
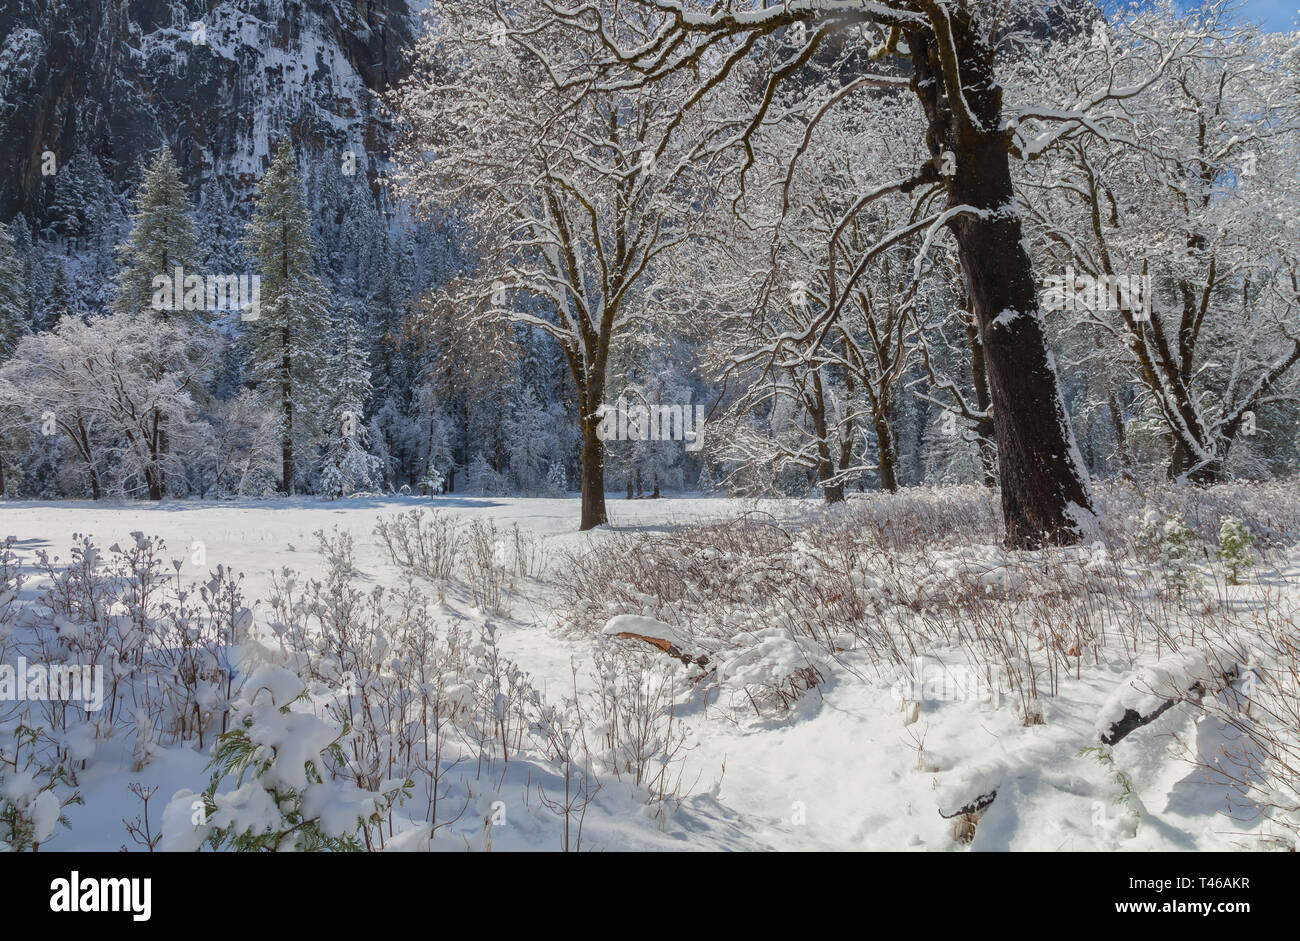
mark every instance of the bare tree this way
{"type": "Point", "coordinates": [946, 53]}
{"type": "Point", "coordinates": [1188, 189]}
{"type": "Point", "coordinates": [577, 205]}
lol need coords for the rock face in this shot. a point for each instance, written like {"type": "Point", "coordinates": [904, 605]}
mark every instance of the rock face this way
{"type": "Point", "coordinates": [220, 82]}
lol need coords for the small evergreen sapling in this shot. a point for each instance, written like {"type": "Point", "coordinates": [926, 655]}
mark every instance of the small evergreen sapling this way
{"type": "Point", "coordinates": [1177, 543]}
{"type": "Point", "coordinates": [1168, 547]}
{"type": "Point", "coordinates": [1235, 543]}
{"type": "Point", "coordinates": [557, 482]}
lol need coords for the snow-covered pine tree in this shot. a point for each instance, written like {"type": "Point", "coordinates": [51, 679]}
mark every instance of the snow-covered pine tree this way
{"type": "Point", "coordinates": [217, 240]}
{"type": "Point", "coordinates": [61, 301]}
{"type": "Point", "coordinates": [25, 251]}
{"type": "Point", "coordinates": [161, 239]}
{"type": "Point", "coordinates": [13, 307]}
{"type": "Point", "coordinates": [13, 325]}
{"type": "Point", "coordinates": [348, 465]}
{"type": "Point", "coordinates": [529, 443]}
{"type": "Point", "coordinates": [286, 357]}
{"type": "Point", "coordinates": [1235, 541]}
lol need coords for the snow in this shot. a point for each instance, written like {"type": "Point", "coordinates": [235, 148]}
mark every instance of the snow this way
{"type": "Point", "coordinates": [847, 767]}
{"type": "Point", "coordinates": [645, 627]}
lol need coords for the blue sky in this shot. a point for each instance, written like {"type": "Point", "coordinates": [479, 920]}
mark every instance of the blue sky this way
{"type": "Point", "coordinates": [1274, 14]}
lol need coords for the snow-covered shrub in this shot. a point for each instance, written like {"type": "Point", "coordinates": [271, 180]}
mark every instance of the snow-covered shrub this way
{"type": "Point", "coordinates": [342, 702]}
{"type": "Point", "coordinates": [377, 667]}
{"type": "Point", "coordinates": [32, 795]}
{"type": "Point", "coordinates": [528, 553]}
{"type": "Point", "coordinates": [560, 735]}
{"type": "Point", "coordinates": [486, 566]}
{"type": "Point", "coordinates": [422, 541]}
{"type": "Point", "coordinates": [632, 715]}
{"type": "Point", "coordinates": [1235, 544]}
{"type": "Point", "coordinates": [1259, 715]}
{"type": "Point", "coordinates": [501, 691]}
{"type": "Point", "coordinates": [11, 582]}
{"type": "Point", "coordinates": [196, 631]}
{"type": "Point", "coordinates": [94, 613]}
{"type": "Point", "coordinates": [164, 646]}
{"type": "Point", "coordinates": [278, 758]}
{"type": "Point", "coordinates": [1269, 510]}
{"type": "Point", "coordinates": [1149, 537]}
{"type": "Point", "coordinates": [770, 667]}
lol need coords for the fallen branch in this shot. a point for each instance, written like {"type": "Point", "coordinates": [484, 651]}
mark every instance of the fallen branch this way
{"type": "Point", "coordinates": [667, 647]}
{"type": "Point", "coordinates": [1132, 719]}
{"type": "Point", "coordinates": [979, 804]}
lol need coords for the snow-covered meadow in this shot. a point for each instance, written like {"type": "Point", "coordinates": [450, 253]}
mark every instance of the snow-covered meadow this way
{"type": "Point", "coordinates": [879, 675]}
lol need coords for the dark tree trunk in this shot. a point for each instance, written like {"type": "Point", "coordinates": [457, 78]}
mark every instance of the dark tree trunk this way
{"type": "Point", "coordinates": [1121, 435]}
{"type": "Point", "coordinates": [1183, 464]}
{"type": "Point", "coordinates": [886, 455]}
{"type": "Point", "coordinates": [1044, 488]}
{"type": "Point", "coordinates": [157, 445]}
{"type": "Point", "coordinates": [84, 441]}
{"type": "Point", "coordinates": [593, 475]}
{"type": "Point", "coordinates": [984, 430]}
{"type": "Point", "coordinates": [160, 460]}
{"type": "Point", "coordinates": [152, 474]}
{"type": "Point", "coordinates": [832, 489]}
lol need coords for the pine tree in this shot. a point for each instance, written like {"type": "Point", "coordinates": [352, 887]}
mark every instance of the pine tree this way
{"type": "Point", "coordinates": [1235, 541]}
{"type": "Point", "coordinates": [13, 307]}
{"type": "Point", "coordinates": [348, 465]}
{"type": "Point", "coordinates": [161, 239]}
{"type": "Point", "coordinates": [29, 254]}
{"type": "Point", "coordinates": [218, 251]}
{"type": "Point", "coordinates": [61, 302]}
{"type": "Point", "coordinates": [13, 322]}
{"type": "Point", "coordinates": [1177, 556]}
{"type": "Point", "coordinates": [70, 204]}
{"type": "Point", "coordinates": [528, 442]}
{"type": "Point", "coordinates": [286, 356]}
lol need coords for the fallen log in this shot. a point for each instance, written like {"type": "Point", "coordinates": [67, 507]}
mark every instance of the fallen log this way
{"type": "Point", "coordinates": [667, 647]}
{"type": "Point", "coordinates": [655, 633]}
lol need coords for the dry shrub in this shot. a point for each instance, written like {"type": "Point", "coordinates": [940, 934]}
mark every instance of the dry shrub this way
{"type": "Point", "coordinates": [893, 576]}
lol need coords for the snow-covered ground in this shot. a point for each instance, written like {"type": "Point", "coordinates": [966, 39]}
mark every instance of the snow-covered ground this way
{"type": "Point", "coordinates": [856, 763]}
